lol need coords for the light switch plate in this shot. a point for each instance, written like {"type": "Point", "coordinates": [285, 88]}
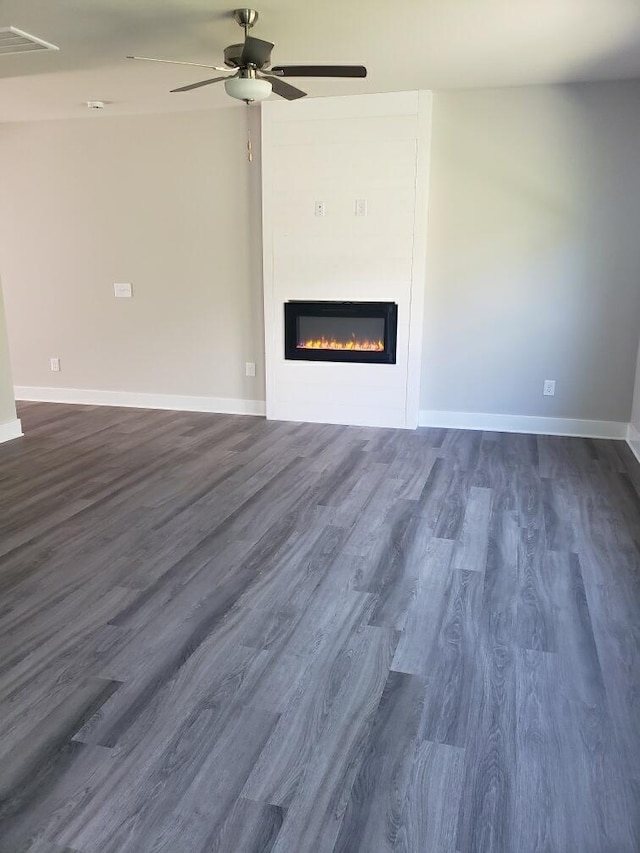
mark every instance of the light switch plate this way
{"type": "Point", "coordinates": [122, 289]}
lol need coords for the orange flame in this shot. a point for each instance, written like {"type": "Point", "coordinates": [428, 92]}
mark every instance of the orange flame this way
{"type": "Point", "coordinates": [333, 343]}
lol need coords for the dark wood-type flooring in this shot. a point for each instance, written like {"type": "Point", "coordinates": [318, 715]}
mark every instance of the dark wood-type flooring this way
{"type": "Point", "coordinates": [221, 634]}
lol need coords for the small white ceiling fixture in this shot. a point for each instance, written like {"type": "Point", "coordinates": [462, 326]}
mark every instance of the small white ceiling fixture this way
{"type": "Point", "coordinates": [13, 40]}
{"type": "Point", "coordinates": [95, 105]}
{"type": "Point", "coordinates": [247, 88]}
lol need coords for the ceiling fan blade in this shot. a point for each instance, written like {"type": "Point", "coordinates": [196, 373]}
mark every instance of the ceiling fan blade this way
{"type": "Point", "coordinates": [177, 62]}
{"type": "Point", "coordinates": [285, 90]}
{"type": "Point", "coordinates": [201, 83]}
{"type": "Point", "coordinates": [256, 52]}
{"type": "Point", "coordinates": [319, 70]}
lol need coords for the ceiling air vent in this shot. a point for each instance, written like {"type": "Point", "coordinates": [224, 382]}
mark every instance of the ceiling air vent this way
{"type": "Point", "coordinates": [13, 40]}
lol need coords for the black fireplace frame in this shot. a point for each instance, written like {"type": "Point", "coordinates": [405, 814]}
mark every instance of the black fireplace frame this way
{"type": "Point", "coordinates": [387, 311]}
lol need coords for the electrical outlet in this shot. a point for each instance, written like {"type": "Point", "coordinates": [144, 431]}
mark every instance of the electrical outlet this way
{"type": "Point", "coordinates": [122, 290]}
{"type": "Point", "coordinates": [249, 368]}
{"type": "Point", "coordinates": [54, 365]}
{"type": "Point", "coordinates": [361, 207]}
{"type": "Point", "coordinates": [320, 208]}
{"type": "Point", "coordinates": [549, 388]}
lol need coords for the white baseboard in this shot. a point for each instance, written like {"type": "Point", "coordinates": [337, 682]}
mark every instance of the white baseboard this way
{"type": "Point", "coordinates": [231, 406]}
{"type": "Point", "coordinates": [10, 430]}
{"type": "Point", "coordinates": [524, 423]}
{"type": "Point", "coordinates": [131, 399]}
{"type": "Point", "coordinates": [633, 440]}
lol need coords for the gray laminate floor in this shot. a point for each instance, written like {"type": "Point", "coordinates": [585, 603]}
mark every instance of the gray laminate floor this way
{"type": "Point", "coordinates": [222, 634]}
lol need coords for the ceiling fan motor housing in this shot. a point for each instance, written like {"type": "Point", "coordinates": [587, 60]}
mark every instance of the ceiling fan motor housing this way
{"type": "Point", "coordinates": [233, 57]}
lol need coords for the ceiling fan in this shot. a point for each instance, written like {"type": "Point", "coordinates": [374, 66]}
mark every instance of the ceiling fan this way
{"type": "Point", "coordinates": [254, 78]}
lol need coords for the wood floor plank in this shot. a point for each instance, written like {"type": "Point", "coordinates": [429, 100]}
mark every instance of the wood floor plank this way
{"type": "Point", "coordinates": [530, 498]}
{"type": "Point", "coordinates": [486, 815]}
{"type": "Point", "coordinates": [416, 649]}
{"type": "Point", "coordinates": [473, 540]}
{"type": "Point", "coordinates": [207, 802]}
{"type": "Point", "coordinates": [373, 816]}
{"type": "Point", "coordinates": [600, 777]}
{"type": "Point", "coordinates": [327, 682]}
{"type": "Point", "coordinates": [249, 827]}
{"type": "Point", "coordinates": [542, 779]}
{"type": "Point", "coordinates": [538, 604]}
{"type": "Point", "coordinates": [498, 469]}
{"type": "Point", "coordinates": [453, 509]}
{"type": "Point", "coordinates": [393, 570]}
{"type": "Point", "coordinates": [414, 476]}
{"type": "Point", "coordinates": [451, 662]}
{"type": "Point", "coordinates": [560, 514]}
{"type": "Point", "coordinates": [617, 638]}
{"type": "Point", "coordinates": [432, 799]}
{"type": "Point", "coordinates": [316, 809]}
{"type": "Point", "coordinates": [36, 766]}
{"type": "Point", "coordinates": [75, 767]}
{"type": "Point", "coordinates": [462, 448]}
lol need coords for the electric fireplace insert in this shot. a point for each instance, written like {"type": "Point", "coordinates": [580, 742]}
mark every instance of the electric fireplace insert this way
{"type": "Point", "coordinates": [341, 331]}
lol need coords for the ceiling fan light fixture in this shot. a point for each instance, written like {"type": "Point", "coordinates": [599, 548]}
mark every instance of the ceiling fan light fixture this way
{"type": "Point", "coordinates": [247, 88]}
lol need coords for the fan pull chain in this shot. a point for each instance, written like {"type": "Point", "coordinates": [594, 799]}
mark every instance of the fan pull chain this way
{"type": "Point", "coordinates": [249, 148]}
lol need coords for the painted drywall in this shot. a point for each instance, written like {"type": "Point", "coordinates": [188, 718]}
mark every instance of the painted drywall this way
{"type": "Point", "coordinates": [634, 425]}
{"type": "Point", "coordinates": [7, 402]}
{"type": "Point", "coordinates": [168, 203]}
{"type": "Point", "coordinates": [533, 252]}
{"type": "Point", "coordinates": [635, 415]}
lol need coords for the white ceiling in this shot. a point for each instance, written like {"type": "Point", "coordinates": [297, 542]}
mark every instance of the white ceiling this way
{"type": "Point", "coordinates": [405, 44]}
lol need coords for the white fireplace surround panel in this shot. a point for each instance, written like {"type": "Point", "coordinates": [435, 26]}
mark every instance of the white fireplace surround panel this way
{"type": "Point", "coordinates": [340, 151]}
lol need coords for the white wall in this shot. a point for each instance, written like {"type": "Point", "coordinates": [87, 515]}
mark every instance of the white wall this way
{"type": "Point", "coordinates": [164, 202]}
{"type": "Point", "coordinates": [534, 252]}
{"type": "Point", "coordinates": [9, 425]}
